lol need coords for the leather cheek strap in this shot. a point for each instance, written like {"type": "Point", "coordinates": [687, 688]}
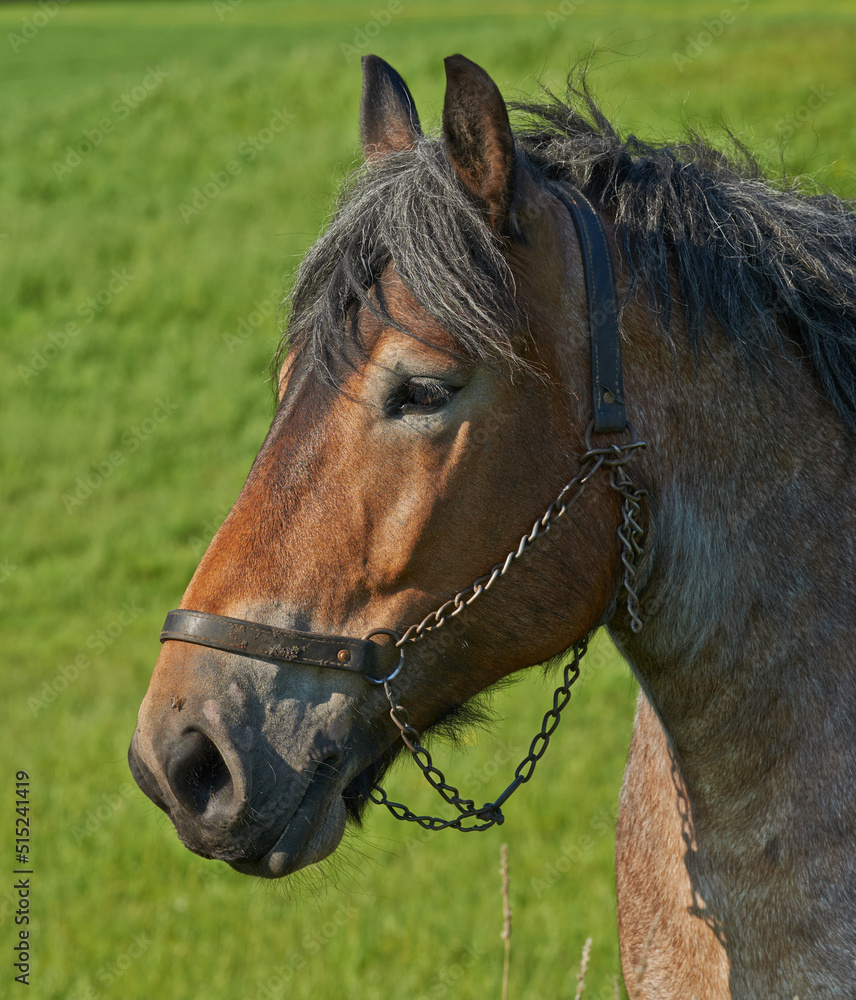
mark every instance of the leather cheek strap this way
{"type": "Point", "coordinates": [608, 410]}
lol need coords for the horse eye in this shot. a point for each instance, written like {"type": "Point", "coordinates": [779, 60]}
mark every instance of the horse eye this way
{"type": "Point", "coordinates": [421, 395]}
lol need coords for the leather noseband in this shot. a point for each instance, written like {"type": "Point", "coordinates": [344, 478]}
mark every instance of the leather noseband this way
{"type": "Point", "coordinates": [265, 642]}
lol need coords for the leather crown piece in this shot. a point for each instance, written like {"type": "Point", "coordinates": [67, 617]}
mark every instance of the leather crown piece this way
{"type": "Point", "coordinates": [608, 410]}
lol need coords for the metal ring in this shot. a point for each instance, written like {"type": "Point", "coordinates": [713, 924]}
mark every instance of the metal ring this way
{"type": "Point", "coordinates": [399, 665]}
{"type": "Point", "coordinates": [590, 429]}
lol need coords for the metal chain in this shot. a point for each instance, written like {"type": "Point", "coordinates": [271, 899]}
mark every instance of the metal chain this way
{"type": "Point", "coordinates": [630, 532]}
{"type": "Point", "coordinates": [490, 813]}
{"type": "Point", "coordinates": [613, 457]}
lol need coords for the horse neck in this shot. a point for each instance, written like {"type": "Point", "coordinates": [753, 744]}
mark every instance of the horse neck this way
{"type": "Point", "coordinates": [747, 649]}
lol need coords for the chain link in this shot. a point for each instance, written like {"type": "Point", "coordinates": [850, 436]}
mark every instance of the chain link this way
{"type": "Point", "coordinates": [490, 813]}
{"type": "Point", "coordinates": [630, 533]}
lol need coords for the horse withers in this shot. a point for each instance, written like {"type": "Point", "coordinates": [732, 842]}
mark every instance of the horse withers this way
{"type": "Point", "coordinates": [453, 376]}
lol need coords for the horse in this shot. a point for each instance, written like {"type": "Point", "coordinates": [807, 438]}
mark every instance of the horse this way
{"type": "Point", "coordinates": [645, 352]}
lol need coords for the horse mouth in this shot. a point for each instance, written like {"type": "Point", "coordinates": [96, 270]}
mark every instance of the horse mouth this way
{"type": "Point", "coordinates": [312, 832]}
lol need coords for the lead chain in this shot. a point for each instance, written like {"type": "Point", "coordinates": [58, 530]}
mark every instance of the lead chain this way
{"type": "Point", "coordinates": [490, 813]}
{"type": "Point", "coordinates": [630, 533]}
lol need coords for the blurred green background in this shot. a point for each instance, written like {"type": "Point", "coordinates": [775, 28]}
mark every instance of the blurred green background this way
{"type": "Point", "coordinates": [163, 167]}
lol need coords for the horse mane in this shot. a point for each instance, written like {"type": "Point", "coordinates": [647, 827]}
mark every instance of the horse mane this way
{"type": "Point", "coordinates": [773, 265]}
{"type": "Point", "coordinates": [408, 207]}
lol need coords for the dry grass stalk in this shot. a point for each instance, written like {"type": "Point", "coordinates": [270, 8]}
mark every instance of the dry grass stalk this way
{"type": "Point", "coordinates": [584, 961]}
{"type": "Point", "coordinates": [506, 917]}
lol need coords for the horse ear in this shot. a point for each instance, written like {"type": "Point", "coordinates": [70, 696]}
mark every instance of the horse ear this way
{"type": "Point", "coordinates": [388, 119]}
{"type": "Point", "coordinates": [478, 137]}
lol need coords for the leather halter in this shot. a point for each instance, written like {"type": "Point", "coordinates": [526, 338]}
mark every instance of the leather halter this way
{"type": "Point", "coordinates": [265, 642]}
{"type": "Point", "coordinates": [607, 384]}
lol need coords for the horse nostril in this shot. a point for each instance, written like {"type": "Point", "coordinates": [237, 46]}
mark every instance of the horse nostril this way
{"type": "Point", "coordinates": [198, 775]}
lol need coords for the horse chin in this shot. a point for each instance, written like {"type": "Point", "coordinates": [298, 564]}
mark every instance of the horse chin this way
{"type": "Point", "coordinates": [305, 840]}
{"type": "Point", "coordinates": [317, 826]}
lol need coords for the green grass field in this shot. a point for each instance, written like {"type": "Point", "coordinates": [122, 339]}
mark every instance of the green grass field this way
{"type": "Point", "coordinates": [164, 167]}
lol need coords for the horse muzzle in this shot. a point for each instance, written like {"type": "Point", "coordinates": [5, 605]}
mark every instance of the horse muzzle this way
{"type": "Point", "coordinates": [243, 778]}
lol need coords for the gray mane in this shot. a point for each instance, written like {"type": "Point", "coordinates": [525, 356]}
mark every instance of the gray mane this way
{"type": "Point", "coordinates": [411, 209]}
{"type": "Point", "coordinates": [774, 266]}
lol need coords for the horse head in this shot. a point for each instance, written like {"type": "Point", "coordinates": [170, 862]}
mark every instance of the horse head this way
{"type": "Point", "coordinates": [451, 378]}
{"type": "Point", "coordinates": [433, 402]}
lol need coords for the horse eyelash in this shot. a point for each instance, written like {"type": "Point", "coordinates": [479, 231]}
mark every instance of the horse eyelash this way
{"type": "Point", "coordinates": [438, 394]}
